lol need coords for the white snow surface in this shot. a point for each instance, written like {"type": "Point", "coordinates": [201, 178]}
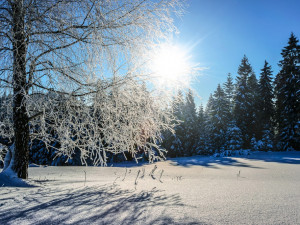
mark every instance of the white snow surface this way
{"type": "Point", "coordinates": [262, 188]}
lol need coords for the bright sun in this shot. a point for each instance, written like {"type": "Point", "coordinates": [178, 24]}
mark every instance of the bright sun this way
{"type": "Point", "coordinates": [170, 65]}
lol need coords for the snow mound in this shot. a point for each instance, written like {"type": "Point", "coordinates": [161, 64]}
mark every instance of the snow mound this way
{"type": "Point", "coordinates": [9, 179]}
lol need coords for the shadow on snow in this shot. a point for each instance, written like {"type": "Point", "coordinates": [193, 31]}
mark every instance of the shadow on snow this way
{"type": "Point", "coordinates": [210, 162]}
{"type": "Point", "coordinates": [90, 205]}
{"type": "Point", "coordinates": [292, 157]}
{"type": "Point", "coordinates": [214, 162]}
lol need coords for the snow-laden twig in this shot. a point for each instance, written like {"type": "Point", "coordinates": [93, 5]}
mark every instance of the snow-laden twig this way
{"type": "Point", "coordinates": [137, 176]}
{"type": "Point", "coordinates": [114, 183]}
{"type": "Point", "coordinates": [152, 172]}
{"type": "Point", "coordinates": [143, 173]}
{"type": "Point", "coordinates": [125, 174]}
{"type": "Point", "coordinates": [162, 171]}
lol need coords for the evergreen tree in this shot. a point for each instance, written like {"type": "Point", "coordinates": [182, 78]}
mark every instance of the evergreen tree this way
{"type": "Point", "coordinates": [253, 106]}
{"type": "Point", "coordinates": [172, 142]}
{"type": "Point", "coordinates": [234, 139]}
{"type": "Point", "coordinates": [266, 96]}
{"type": "Point", "coordinates": [201, 116]}
{"type": "Point", "coordinates": [288, 97]}
{"type": "Point", "coordinates": [254, 145]}
{"type": "Point", "coordinates": [229, 91]}
{"type": "Point", "coordinates": [266, 143]}
{"type": "Point", "coordinates": [208, 125]}
{"type": "Point", "coordinates": [178, 106]}
{"type": "Point", "coordinates": [190, 124]}
{"type": "Point", "coordinates": [219, 117]}
{"type": "Point", "coordinates": [202, 134]}
{"type": "Point", "coordinates": [266, 107]}
{"type": "Point", "coordinates": [242, 101]}
{"type": "Point", "coordinates": [208, 107]}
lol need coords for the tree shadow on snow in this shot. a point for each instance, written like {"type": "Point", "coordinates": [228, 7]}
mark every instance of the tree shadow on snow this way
{"type": "Point", "coordinates": [128, 164]}
{"type": "Point", "coordinates": [92, 205]}
{"type": "Point", "coordinates": [211, 162]}
{"type": "Point", "coordinates": [292, 157]}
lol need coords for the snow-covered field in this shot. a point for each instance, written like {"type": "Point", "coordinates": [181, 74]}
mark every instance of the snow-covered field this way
{"type": "Point", "coordinates": [263, 188]}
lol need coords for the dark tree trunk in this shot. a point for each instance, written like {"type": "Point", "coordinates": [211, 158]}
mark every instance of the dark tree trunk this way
{"type": "Point", "coordinates": [20, 116]}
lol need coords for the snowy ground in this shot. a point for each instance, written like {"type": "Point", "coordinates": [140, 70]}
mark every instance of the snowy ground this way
{"type": "Point", "coordinates": [263, 188]}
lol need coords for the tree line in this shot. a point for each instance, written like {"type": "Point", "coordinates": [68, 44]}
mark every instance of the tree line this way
{"type": "Point", "coordinates": [248, 113]}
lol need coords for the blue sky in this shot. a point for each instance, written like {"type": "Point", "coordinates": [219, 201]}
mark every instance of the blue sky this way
{"type": "Point", "coordinates": [220, 32]}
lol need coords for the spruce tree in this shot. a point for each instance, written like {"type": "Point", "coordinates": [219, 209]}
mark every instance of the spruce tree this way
{"type": "Point", "coordinates": [266, 96]}
{"type": "Point", "coordinates": [234, 140]}
{"type": "Point", "coordinates": [173, 141]}
{"type": "Point", "coordinates": [242, 103]}
{"type": "Point", "coordinates": [229, 91]}
{"type": "Point", "coordinates": [209, 106]}
{"type": "Point", "coordinates": [288, 97]}
{"type": "Point", "coordinates": [266, 107]}
{"type": "Point", "coordinates": [178, 106]}
{"type": "Point", "coordinates": [266, 143]}
{"type": "Point", "coordinates": [219, 118]}
{"type": "Point", "coordinates": [208, 125]}
{"type": "Point", "coordinates": [253, 106]}
{"type": "Point", "coordinates": [200, 116]}
{"type": "Point", "coordinates": [202, 134]}
{"type": "Point", "coordinates": [190, 124]}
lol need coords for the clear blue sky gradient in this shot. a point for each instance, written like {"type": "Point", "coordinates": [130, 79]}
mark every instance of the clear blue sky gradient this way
{"type": "Point", "coordinates": [220, 32]}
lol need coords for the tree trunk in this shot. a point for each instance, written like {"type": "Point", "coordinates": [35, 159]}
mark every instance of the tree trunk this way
{"type": "Point", "coordinates": [20, 117]}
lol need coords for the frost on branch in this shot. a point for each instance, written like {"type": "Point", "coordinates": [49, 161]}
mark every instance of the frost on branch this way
{"type": "Point", "coordinates": [2, 152]}
{"type": "Point", "coordinates": [6, 128]}
{"type": "Point", "coordinates": [123, 118]}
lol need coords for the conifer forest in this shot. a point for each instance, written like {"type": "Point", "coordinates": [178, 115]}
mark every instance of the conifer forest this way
{"type": "Point", "coordinates": [256, 112]}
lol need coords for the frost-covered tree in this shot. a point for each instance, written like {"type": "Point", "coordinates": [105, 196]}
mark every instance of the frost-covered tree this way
{"type": "Point", "coordinates": [80, 50]}
{"type": "Point", "coordinates": [265, 106]}
{"type": "Point", "coordinates": [234, 139]}
{"type": "Point", "coordinates": [253, 107]}
{"type": "Point", "coordinates": [209, 126]}
{"type": "Point", "coordinates": [202, 134]}
{"type": "Point", "coordinates": [178, 106]}
{"type": "Point", "coordinates": [209, 104]}
{"type": "Point", "coordinates": [266, 143]}
{"type": "Point", "coordinates": [241, 101]}
{"type": "Point", "coordinates": [190, 124]}
{"type": "Point", "coordinates": [287, 90]}
{"type": "Point", "coordinates": [220, 112]}
{"type": "Point", "coordinates": [172, 141]}
{"type": "Point", "coordinates": [5, 122]}
{"type": "Point", "coordinates": [228, 87]}
{"type": "Point", "coordinates": [254, 144]}
{"type": "Point", "coordinates": [266, 96]}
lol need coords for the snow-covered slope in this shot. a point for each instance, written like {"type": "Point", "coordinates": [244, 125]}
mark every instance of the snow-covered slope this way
{"type": "Point", "coordinates": [262, 188]}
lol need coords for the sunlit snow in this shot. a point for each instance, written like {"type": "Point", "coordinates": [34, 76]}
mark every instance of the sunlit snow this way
{"type": "Point", "coordinates": [262, 188]}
